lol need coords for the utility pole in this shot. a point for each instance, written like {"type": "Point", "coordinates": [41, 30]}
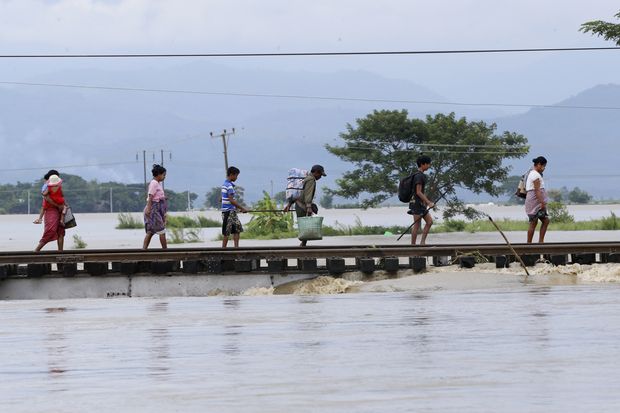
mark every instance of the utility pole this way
{"type": "Point", "coordinates": [146, 188]}
{"type": "Point", "coordinates": [111, 209]}
{"type": "Point", "coordinates": [224, 135]}
{"type": "Point", "coordinates": [162, 151]}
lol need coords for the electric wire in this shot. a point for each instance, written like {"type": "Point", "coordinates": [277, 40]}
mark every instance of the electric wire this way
{"type": "Point", "coordinates": [301, 54]}
{"type": "Point", "coordinates": [309, 97]}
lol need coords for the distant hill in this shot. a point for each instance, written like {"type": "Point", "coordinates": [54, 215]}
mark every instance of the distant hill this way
{"type": "Point", "coordinates": [45, 126]}
{"type": "Point", "coordinates": [581, 144]}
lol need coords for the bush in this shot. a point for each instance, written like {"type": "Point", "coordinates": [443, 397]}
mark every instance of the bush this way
{"type": "Point", "coordinates": [559, 213]}
{"type": "Point", "coordinates": [128, 221]}
{"type": "Point", "coordinates": [208, 222]}
{"type": "Point", "coordinates": [269, 223]}
{"type": "Point", "coordinates": [454, 225]}
{"type": "Point", "coordinates": [78, 242]}
{"type": "Point", "coordinates": [610, 223]}
{"type": "Point", "coordinates": [181, 222]}
{"type": "Point", "coordinates": [182, 236]}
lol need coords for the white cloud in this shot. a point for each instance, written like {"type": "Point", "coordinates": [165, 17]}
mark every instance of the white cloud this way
{"type": "Point", "coordinates": [239, 25]}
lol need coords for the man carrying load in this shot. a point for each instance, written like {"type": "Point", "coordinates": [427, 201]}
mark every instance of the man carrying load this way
{"type": "Point", "coordinates": [304, 195]}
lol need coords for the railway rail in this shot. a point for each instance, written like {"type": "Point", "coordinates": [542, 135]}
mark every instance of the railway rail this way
{"type": "Point", "coordinates": [275, 253]}
{"type": "Point", "coordinates": [206, 271]}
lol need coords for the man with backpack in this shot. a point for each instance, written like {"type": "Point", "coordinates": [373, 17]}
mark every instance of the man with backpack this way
{"type": "Point", "coordinates": [420, 205]}
{"type": "Point", "coordinates": [303, 197]}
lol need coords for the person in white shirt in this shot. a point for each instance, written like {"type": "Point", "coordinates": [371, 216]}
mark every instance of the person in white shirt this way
{"type": "Point", "coordinates": [536, 200]}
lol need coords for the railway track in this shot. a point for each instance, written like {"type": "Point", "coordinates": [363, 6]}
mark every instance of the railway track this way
{"type": "Point", "coordinates": [313, 252]}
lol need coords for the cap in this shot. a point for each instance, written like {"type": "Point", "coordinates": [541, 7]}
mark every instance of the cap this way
{"type": "Point", "coordinates": [318, 168]}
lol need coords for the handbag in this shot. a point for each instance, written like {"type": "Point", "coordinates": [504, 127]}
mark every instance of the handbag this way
{"type": "Point", "coordinates": [69, 220]}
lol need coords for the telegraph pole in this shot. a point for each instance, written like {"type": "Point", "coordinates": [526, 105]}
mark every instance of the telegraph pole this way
{"type": "Point", "coordinates": [224, 135]}
{"type": "Point", "coordinates": [146, 187]}
{"type": "Point", "coordinates": [162, 151]}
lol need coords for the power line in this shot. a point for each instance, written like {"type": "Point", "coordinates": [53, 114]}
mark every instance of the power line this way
{"type": "Point", "coordinates": [301, 54]}
{"type": "Point", "coordinates": [450, 145]}
{"type": "Point", "coordinates": [307, 97]}
{"type": "Point", "coordinates": [512, 151]}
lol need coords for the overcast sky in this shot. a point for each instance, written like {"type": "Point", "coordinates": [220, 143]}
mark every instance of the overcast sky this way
{"type": "Point", "coordinates": [194, 26]}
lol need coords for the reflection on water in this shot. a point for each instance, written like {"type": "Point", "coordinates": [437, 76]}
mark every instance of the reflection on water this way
{"type": "Point", "coordinates": [159, 344]}
{"type": "Point", "coordinates": [534, 349]}
{"type": "Point", "coordinates": [55, 344]}
{"type": "Point", "coordinates": [232, 332]}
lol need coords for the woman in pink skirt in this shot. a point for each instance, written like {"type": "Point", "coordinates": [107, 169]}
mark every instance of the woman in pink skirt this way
{"type": "Point", "coordinates": [156, 209]}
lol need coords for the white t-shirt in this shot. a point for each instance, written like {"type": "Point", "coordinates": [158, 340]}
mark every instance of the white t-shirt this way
{"type": "Point", "coordinates": [531, 177]}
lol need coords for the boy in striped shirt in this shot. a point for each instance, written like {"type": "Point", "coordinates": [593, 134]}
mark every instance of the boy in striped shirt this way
{"type": "Point", "coordinates": [230, 221]}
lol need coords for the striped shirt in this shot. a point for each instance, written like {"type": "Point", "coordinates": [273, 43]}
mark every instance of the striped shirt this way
{"type": "Point", "coordinates": [228, 191]}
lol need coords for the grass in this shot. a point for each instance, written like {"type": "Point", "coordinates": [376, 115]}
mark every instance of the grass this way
{"type": "Point", "coordinates": [188, 222]}
{"type": "Point", "coordinates": [330, 231]}
{"type": "Point", "coordinates": [78, 242]}
{"type": "Point", "coordinates": [129, 221]}
{"type": "Point", "coordinates": [483, 225]}
{"type": "Point", "coordinates": [183, 236]}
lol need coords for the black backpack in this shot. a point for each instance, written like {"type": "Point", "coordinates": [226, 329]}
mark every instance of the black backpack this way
{"type": "Point", "coordinates": [405, 188]}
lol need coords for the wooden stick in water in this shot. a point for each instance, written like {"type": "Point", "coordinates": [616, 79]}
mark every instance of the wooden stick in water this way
{"type": "Point", "coordinates": [510, 246]}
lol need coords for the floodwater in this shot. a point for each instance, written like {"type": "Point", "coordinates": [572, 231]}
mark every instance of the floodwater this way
{"type": "Point", "coordinates": [543, 346]}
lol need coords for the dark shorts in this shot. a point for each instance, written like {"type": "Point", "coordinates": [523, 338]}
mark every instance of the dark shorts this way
{"type": "Point", "coordinates": [416, 208]}
{"type": "Point", "coordinates": [231, 223]}
{"type": "Point", "coordinates": [541, 214]}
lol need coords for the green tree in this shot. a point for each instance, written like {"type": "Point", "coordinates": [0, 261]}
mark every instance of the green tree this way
{"type": "Point", "coordinates": [579, 196]}
{"type": "Point", "coordinates": [385, 144]}
{"type": "Point", "coordinates": [555, 195]}
{"type": "Point", "coordinates": [327, 200]}
{"type": "Point", "coordinates": [509, 187]}
{"type": "Point", "coordinates": [87, 196]}
{"type": "Point", "coordinates": [609, 31]}
{"type": "Point", "coordinates": [213, 198]}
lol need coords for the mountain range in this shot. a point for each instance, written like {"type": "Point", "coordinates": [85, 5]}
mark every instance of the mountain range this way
{"type": "Point", "coordinates": [68, 127]}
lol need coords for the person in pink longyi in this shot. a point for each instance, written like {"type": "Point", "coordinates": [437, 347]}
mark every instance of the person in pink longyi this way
{"type": "Point", "coordinates": [156, 210]}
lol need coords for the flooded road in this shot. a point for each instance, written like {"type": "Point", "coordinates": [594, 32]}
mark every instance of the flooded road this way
{"type": "Point", "coordinates": [523, 348]}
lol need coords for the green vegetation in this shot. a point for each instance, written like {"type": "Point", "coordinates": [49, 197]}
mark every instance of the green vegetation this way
{"type": "Point", "coordinates": [451, 225]}
{"type": "Point", "coordinates": [559, 213]}
{"type": "Point", "coordinates": [189, 222]}
{"type": "Point", "coordinates": [359, 229]}
{"type": "Point", "coordinates": [129, 221]}
{"type": "Point", "coordinates": [383, 147]}
{"type": "Point", "coordinates": [87, 196]}
{"type": "Point", "coordinates": [484, 225]}
{"type": "Point", "coordinates": [609, 31]}
{"type": "Point", "coordinates": [269, 225]}
{"type": "Point", "coordinates": [610, 223]}
{"type": "Point", "coordinates": [182, 236]}
{"type": "Point", "coordinates": [78, 242]}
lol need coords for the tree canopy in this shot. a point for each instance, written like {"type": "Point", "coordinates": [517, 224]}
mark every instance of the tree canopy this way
{"type": "Point", "coordinates": [87, 196]}
{"type": "Point", "coordinates": [385, 144]}
{"type": "Point", "coordinates": [609, 31]}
